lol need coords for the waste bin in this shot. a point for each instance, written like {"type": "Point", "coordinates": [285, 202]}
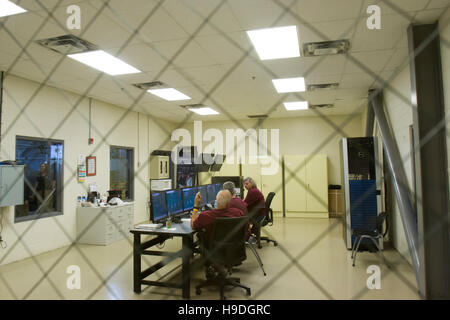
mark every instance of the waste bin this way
{"type": "Point", "coordinates": [335, 201]}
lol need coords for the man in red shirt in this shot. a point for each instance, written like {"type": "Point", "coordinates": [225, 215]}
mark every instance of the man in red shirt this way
{"type": "Point", "coordinates": [206, 219]}
{"type": "Point", "coordinates": [235, 202]}
{"type": "Point", "coordinates": [256, 204]}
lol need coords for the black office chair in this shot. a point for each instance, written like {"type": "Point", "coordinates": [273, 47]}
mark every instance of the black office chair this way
{"type": "Point", "coordinates": [224, 250]}
{"type": "Point", "coordinates": [374, 235]}
{"type": "Point", "coordinates": [268, 220]}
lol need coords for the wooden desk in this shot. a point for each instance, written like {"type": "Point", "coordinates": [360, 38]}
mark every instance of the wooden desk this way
{"type": "Point", "coordinates": [182, 230]}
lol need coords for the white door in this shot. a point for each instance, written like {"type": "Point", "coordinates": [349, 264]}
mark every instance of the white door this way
{"type": "Point", "coordinates": [271, 181]}
{"type": "Point", "coordinates": [295, 183]}
{"type": "Point", "coordinates": [317, 183]}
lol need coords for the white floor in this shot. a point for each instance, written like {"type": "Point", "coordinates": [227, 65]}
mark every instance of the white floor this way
{"type": "Point", "coordinates": [310, 262]}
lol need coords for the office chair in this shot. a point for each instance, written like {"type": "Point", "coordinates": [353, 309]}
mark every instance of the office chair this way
{"type": "Point", "coordinates": [373, 235]}
{"type": "Point", "coordinates": [268, 220]}
{"type": "Point", "coordinates": [224, 250]}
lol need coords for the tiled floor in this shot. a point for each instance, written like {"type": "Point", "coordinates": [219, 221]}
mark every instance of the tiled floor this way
{"type": "Point", "coordinates": [311, 262]}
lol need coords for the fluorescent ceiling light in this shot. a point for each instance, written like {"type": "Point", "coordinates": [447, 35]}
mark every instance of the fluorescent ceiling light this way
{"type": "Point", "coordinates": [7, 8]}
{"type": "Point", "coordinates": [204, 111]}
{"type": "Point", "coordinates": [289, 85]}
{"type": "Point", "coordinates": [296, 105]}
{"type": "Point", "coordinates": [275, 43]}
{"type": "Point", "coordinates": [169, 94]}
{"type": "Point", "coordinates": [103, 61]}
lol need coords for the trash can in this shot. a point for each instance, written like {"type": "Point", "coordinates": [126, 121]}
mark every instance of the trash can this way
{"type": "Point", "coordinates": [335, 201]}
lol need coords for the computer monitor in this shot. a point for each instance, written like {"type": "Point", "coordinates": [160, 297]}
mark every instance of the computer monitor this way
{"type": "Point", "coordinates": [188, 198]}
{"type": "Point", "coordinates": [211, 190]}
{"type": "Point", "coordinates": [203, 193]}
{"type": "Point", "coordinates": [174, 202]}
{"type": "Point", "coordinates": [217, 188]}
{"type": "Point", "coordinates": [158, 208]}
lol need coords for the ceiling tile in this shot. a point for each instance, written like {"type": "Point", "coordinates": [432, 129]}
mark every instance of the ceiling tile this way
{"type": "Point", "coordinates": [325, 10]}
{"type": "Point", "coordinates": [373, 61]}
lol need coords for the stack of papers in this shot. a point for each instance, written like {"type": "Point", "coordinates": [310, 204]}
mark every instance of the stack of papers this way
{"type": "Point", "coordinates": [150, 226]}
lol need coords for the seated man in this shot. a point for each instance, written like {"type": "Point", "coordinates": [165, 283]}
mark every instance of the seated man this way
{"type": "Point", "coordinates": [205, 219]}
{"type": "Point", "coordinates": [235, 202]}
{"type": "Point", "coordinates": [256, 205]}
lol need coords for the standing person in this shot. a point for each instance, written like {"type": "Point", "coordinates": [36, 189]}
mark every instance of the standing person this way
{"type": "Point", "coordinates": [256, 205]}
{"type": "Point", "coordinates": [43, 187]}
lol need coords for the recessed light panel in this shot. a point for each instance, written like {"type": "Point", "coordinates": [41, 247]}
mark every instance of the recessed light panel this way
{"type": "Point", "coordinates": [7, 8]}
{"type": "Point", "coordinates": [275, 43]}
{"type": "Point", "coordinates": [103, 61]}
{"type": "Point", "coordinates": [289, 85]}
{"type": "Point", "coordinates": [296, 105]}
{"type": "Point", "coordinates": [206, 111]}
{"type": "Point", "coordinates": [169, 94]}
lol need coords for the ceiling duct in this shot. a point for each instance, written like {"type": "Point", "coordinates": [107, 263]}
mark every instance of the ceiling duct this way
{"type": "Point", "coordinates": [67, 44]}
{"type": "Point", "coordinates": [258, 116]}
{"type": "Point", "coordinates": [148, 85]}
{"type": "Point", "coordinates": [323, 86]}
{"type": "Point", "coordinates": [314, 49]}
{"type": "Point", "coordinates": [321, 106]}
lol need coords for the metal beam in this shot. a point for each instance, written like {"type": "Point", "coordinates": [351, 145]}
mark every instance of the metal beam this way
{"type": "Point", "coordinates": [430, 159]}
{"type": "Point", "coordinates": [369, 122]}
{"type": "Point", "coordinates": [399, 180]}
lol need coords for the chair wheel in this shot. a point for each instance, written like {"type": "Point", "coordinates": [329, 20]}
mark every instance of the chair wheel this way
{"type": "Point", "coordinates": [198, 291]}
{"type": "Point", "coordinates": [276, 244]}
{"type": "Point", "coordinates": [249, 292]}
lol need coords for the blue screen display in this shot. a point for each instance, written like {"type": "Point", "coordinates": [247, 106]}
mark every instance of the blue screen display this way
{"type": "Point", "coordinates": [202, 190]}
{"type": "Point", "coordinates": [174, 202]}
{"type": "Point", "coordinates": [211, 193]}
{"type": "Point", "coordinates": [188, 198]}
{"type": "Point", "coordinates": [159, 208]}
{"type": "Point", "coordinates": [217, 188]}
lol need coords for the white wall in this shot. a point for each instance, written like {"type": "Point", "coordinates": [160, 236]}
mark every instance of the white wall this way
{"type": "Point", "coordinates": [43, 116]}
{"type": "Point", "coordinates": [303, 136]}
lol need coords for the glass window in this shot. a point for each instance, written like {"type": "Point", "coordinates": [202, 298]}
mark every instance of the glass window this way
{"type": "Point", "coordinates": [43, 174]}
{"type": "Point", "coordinates": [121, 171]}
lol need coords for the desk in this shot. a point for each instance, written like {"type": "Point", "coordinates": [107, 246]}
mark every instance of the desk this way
{"type": "Point", "coordinates": [182, 230]}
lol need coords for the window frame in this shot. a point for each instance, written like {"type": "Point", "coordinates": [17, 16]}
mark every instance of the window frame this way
{"type": "Point", "coordinates": [131, 170]}
{"type": "Point", "coordinates": [61, 190]}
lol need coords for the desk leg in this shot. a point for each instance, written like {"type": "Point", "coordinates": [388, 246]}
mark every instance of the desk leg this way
{"type": "Point", "coordinates": [137, 263]}
{"type": "Point", "coordinates": [188, 245]}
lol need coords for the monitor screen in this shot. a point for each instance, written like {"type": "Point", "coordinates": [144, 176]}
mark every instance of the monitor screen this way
{"type": "Point", "coordinates": [203, 193]}
{"type": "Point", "coordinates": [159, 208]}
{"type": "Point", "coordinates": [211, 190]}
{"type": "Point", "coordinates": [188, 198]}
{"type": "Point", "coordinates": [217, 188]}
{"type": "Point", "coordinates": [174, 201]}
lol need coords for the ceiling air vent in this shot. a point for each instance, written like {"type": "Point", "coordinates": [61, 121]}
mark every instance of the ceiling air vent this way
{"type": "Point", "coordinates": [321, 106]}
{"type": "Point", "coordinates": [67, 44]}
{"type": "Point", "coordinates": [313, 49]}
{"type": "Point", "coordinates": [257, 116]}
{"type": "Point", "coordinates": [196, 105]}
{"type": "Point", "coordinates": [323, 86]}
{"type": "Point", "coordinates": [149, 85]}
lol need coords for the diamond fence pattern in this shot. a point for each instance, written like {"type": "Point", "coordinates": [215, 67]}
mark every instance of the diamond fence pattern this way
{"type": "Point", "coordinates": [135, 30]}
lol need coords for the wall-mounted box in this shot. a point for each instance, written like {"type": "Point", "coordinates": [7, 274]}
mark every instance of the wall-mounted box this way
{"type": "Point", "coordinates": [11, 185]}
{"type": "Point", "coordinates": [159, 167]}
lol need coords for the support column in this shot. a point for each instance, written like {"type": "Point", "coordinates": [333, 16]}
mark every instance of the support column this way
{"type": "Point", "coordinates": [430, 159]}
{"type": "Point", "coordinates": [399, 180]}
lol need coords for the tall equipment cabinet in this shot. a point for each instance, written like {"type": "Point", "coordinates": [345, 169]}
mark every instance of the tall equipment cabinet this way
{"type": "Point", "coordinates": [361, 184]}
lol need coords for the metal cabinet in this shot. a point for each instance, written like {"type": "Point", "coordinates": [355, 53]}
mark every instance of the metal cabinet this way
{"type": "Point", "coordinates": [11, 185]}
{"type": "Point", "coordinates": [159, 167]}
{"type": "Point", "coordinates": [104, 225]}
